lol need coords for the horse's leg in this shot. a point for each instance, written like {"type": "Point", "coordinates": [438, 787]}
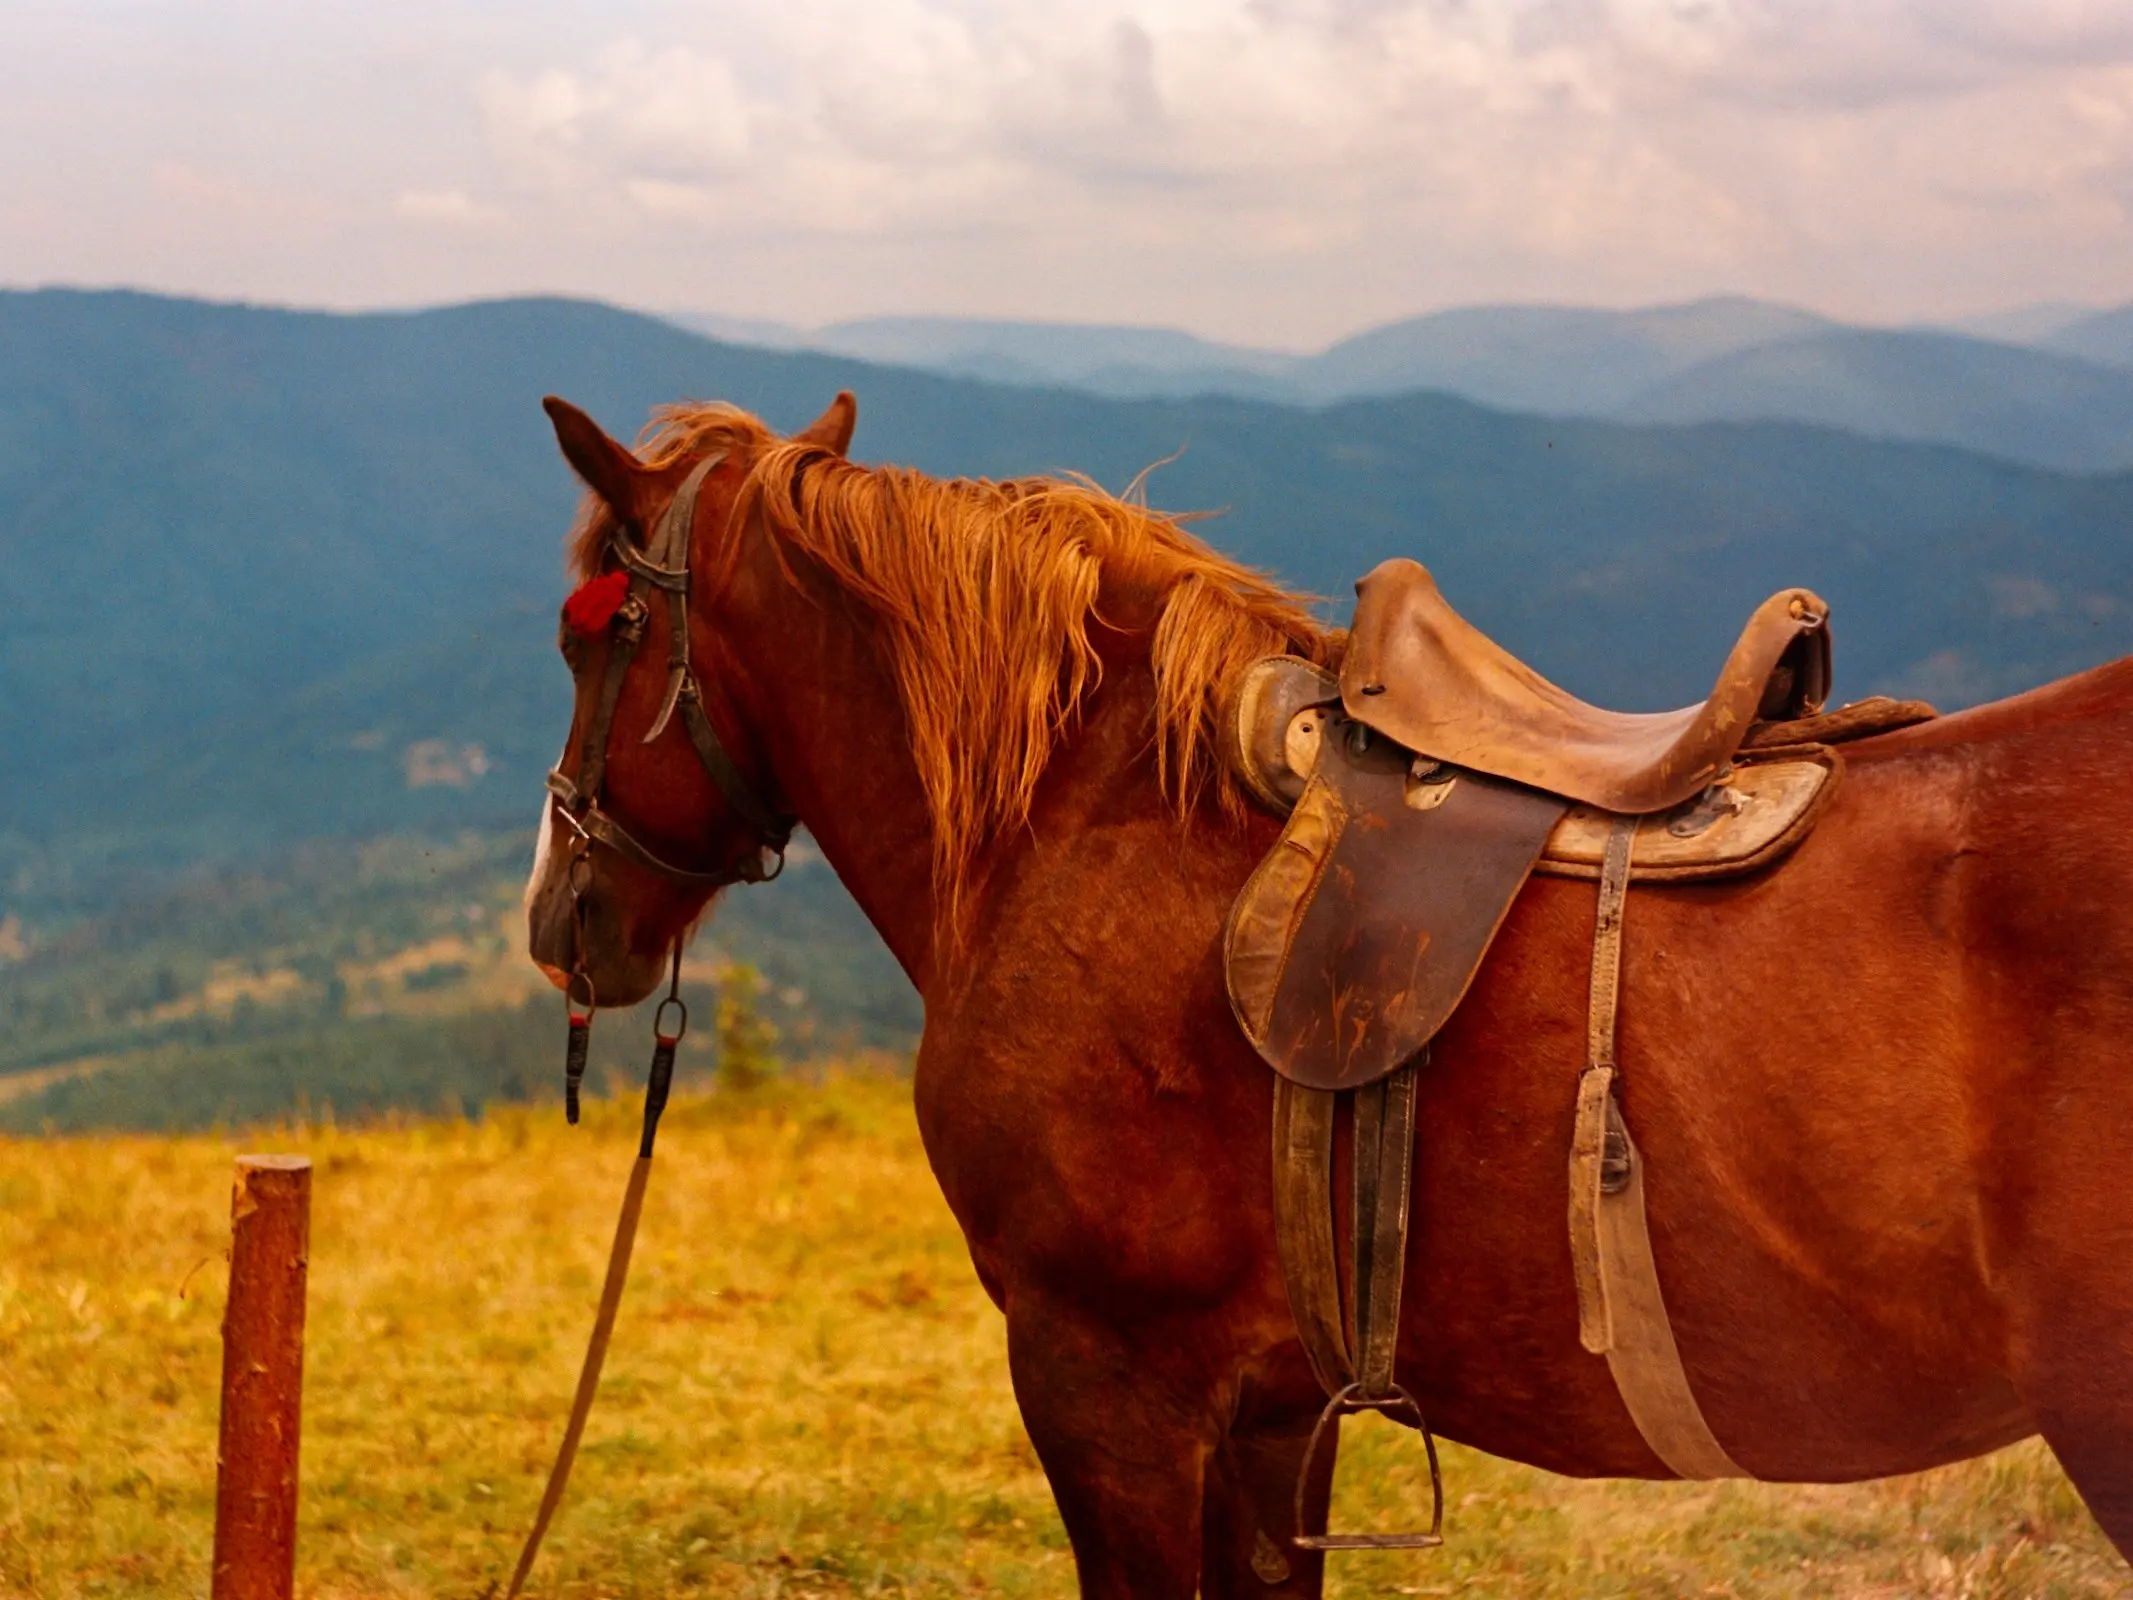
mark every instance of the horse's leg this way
{"type": "Point", "coordinates": [2099, 1460]}
{"type": "Point", "coordinates": [2074, 1367]}
{"type": "Point", "coordinates": [1250, 1518]}
{"type": "Point", "coordinates": [2072, 1329]}
{"type": "Point", "coordinates": [1125, 1441]}
{"type": "Point", "coordinates": [2053, 942]}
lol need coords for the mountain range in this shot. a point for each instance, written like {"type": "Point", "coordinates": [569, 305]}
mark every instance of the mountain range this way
{"type": "Point", "coordinates": [2049, 385]}
{"type": "Point", "coordinates": [273, 575]}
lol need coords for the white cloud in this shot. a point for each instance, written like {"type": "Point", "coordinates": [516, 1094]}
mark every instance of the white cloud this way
{"type": "Point", "coordinates": [451, 207]}
{"type": "Point", "coordinates": [1560, 122]}
{"type": "Point", "coordinates": [1269, 168]}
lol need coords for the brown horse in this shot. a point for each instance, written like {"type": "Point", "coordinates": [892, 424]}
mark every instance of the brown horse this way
{"type": "Point", "coordinates": [1885, 1091]}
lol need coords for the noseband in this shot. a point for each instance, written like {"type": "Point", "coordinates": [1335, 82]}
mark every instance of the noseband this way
{"type": "Point", "coordinates": [665, 567]}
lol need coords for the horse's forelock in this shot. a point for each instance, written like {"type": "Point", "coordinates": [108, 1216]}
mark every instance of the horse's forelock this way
{"type": "Point", "coordinates": [676, 433]}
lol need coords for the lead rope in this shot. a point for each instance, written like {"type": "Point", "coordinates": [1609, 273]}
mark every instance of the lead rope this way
{"type": "Point", "coordinates": [658, 1082]}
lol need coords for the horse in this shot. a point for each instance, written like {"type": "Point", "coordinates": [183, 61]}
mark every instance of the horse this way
{"type": "Point", "coordinates": [1883, 1090]}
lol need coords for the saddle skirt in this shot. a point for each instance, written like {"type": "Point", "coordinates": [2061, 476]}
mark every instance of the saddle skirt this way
{"type": "Point", "coordinates": [1359, 933]}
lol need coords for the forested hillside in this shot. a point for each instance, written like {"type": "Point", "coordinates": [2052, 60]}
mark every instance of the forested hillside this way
{"type": "Point", "coordinates": [391, 973]}
{"type": "Point", "coordinates": [275, 575]}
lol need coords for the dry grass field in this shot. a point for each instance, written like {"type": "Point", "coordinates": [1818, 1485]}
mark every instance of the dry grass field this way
{"type": "Point", "coordinates": [807, 1394]}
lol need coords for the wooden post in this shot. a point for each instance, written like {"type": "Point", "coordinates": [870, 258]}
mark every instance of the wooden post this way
{"type": "Point", "coordinates": [262, 1380]}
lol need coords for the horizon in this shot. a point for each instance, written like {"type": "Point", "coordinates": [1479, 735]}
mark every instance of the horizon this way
{"type": "Point", "coordinates": [2066, 311]}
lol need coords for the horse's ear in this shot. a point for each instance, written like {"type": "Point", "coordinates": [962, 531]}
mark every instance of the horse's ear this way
{"type": "Point", "coordinates": [609, 470]}
{"type": "Point", "coordinates": [833, 429]}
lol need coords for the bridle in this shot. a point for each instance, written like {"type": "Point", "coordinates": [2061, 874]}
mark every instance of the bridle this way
{"type": "Point", "coordinates": [665, 567]}
{"type": "Point", "coordinates": [662, 566]}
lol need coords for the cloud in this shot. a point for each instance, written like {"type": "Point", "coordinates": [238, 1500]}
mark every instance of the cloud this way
{"type": "Point", "coordinates": [671, 113]}
{"type": "Point", "coordinates": [1264, 168]}
{"type": "Point", "coordinates": [1559, 124]}
{"type": "Point", "coordinates": [451, 207]}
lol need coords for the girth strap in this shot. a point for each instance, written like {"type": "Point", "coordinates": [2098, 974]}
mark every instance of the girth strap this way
{"type": "Point", "coordinates": [1621, 1313]}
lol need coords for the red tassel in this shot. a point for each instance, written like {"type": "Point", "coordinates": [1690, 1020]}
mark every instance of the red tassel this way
{"type": "Point", "coordinates": [596, 601]}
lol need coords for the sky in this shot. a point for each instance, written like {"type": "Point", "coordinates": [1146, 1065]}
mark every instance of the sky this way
{"type": "Point", "coordinates": [1278, 172]}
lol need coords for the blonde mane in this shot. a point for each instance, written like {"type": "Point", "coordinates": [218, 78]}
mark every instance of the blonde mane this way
{"type": "Point", "coordinates": [983, 595]}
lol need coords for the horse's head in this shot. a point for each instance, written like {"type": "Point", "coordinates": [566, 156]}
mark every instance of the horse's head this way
{"type": "Point", "coordinates": [661, 796]}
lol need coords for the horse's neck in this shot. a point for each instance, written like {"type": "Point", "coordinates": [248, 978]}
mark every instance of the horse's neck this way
{"type": "Point", "coordinates": [826, 711]}
{"type": "Point", "coordinates": [826, 714]}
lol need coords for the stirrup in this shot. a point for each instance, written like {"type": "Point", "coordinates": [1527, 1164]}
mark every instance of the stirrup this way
{"type": "Point", "coordinates": [1395, 1402]}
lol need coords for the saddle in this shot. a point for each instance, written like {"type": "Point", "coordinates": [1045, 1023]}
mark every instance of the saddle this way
{"type": "Point", "coordinates": [1423, 786]}
{"type": "Point", "coordinates": [1422, 675]}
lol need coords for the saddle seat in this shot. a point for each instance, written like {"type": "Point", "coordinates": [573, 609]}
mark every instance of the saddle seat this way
{"type": "Point", "coordinates": [1426, 678]}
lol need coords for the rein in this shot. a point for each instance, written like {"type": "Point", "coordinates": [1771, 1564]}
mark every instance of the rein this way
{"type": "Point", "coordinates": [663, 566]}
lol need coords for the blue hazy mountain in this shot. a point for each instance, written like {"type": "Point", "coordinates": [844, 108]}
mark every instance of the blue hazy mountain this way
{"type": "Point", "coordinates": [2105, 337]}
{"type": "Point", "coordinates": [2030, 405]}
{"type": "Point", "coordinates": [2037, 324]}
{"type": "Point", "coordinates": [1557, 360]}
{"type": "Point", "coordinates": [275, 574]}
{"type": "Point", "coordinates": [1130, 363]}
{"type": "Point", "coordinates": [2039, 384]}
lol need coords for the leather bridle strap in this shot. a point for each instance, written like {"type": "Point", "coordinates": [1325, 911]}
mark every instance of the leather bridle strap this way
{"type": "Point", "coordinates": [618, 1271]}
{"type": "Point", "coordinates": [592, 823]}
{"type": "Point", "coordinates": [664, 567]}
{"type": "Point", "coordinates": [733, 786]}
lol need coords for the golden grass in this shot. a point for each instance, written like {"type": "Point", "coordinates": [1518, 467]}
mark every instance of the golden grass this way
{"type": "Point", "coordinates": [807, 1395]}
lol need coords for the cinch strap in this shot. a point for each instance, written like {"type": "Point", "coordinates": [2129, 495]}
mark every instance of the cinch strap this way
{"type": "Point", "coordinates": [1621, 1313]}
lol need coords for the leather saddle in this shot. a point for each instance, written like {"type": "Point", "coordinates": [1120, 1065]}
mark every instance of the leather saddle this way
{"type": "Point", "coordinates": [1423, 786]}
{"type": "Point", "coordinates": [1438, 771]}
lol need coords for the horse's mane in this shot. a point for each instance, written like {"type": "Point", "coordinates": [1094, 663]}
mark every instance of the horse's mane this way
{"type": "Point", "coordinates": [983, 595]}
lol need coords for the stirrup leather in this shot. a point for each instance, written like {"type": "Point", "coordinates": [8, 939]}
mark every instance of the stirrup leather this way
{"type": "Point", "coordinates": [1351, 1348]}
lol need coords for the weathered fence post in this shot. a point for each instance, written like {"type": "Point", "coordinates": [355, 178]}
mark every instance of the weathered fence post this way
{"type": "Point", "coordinates": [262, 1380]}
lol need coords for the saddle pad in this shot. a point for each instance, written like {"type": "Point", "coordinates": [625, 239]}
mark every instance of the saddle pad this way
{"type": "Point", "coordinates": [1357, 936]}
{"type": "Point", "coordinates": [1754, 817]}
